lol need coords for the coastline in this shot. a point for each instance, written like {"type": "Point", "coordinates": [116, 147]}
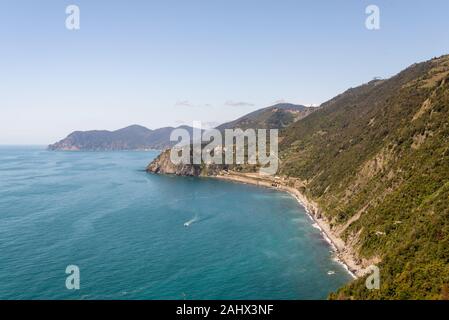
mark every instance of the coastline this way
{"type": "Point", "coordinates": [344, 253]}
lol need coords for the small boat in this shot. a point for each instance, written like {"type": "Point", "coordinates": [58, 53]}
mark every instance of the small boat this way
{"type": "Point", "coordinates": [188, 223]}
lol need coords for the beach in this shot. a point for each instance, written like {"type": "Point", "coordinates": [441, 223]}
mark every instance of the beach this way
{"type": "Point", "coordinates": [344, 253]}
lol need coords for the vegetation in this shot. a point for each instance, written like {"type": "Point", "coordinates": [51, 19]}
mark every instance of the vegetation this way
{"type": "Point", "coordinates": [134, 137]}
{"type": "Point", "coordinates": [379, 155]}
{"type": "Point", "coordinates": [376, 160]}
{"type": "Point", "coordinates": [274, 117]}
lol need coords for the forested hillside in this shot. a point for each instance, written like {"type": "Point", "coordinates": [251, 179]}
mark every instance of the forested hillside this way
{"type": "Point", "coordinates": [376, 159]}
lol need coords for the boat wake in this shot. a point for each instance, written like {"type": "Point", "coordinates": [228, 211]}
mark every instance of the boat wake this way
{"type": "Point", "coordinates": [188, 223]}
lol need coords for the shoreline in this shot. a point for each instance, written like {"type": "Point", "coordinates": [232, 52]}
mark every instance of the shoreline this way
{"type": "Point", "coordinates": [344, 254]}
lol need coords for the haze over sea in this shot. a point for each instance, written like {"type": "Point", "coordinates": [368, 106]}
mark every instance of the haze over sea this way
{"type": "Point", "coordinates": [125, 230]}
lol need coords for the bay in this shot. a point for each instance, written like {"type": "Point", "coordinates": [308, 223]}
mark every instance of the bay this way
{"type": "Point", "coordinates": [134, 235]}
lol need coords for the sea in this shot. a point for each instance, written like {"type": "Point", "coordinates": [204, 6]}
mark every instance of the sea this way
{"type": "Point", "coordinates": [95, 225]}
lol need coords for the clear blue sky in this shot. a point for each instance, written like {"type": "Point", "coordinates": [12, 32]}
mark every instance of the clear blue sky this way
{"type": "Point", "coordinates": [159, 63]}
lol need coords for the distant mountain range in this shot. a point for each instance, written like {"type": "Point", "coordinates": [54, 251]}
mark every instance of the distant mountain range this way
{"type": "Point", "coordinates": [134, 137]}
{"type": "Point", "coordinates": [137, 137]}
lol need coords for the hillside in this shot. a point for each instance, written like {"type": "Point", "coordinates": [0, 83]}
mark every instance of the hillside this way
{"type": "Point", "coordinates": [375, 160]}
{"type": "Point", "coordinates": [277, 116]}
{"type": "Point", "coordinates": [134, 137]}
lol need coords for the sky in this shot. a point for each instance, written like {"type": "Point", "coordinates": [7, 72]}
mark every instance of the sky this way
{"type": "Point", "coordinates": [166, 63]}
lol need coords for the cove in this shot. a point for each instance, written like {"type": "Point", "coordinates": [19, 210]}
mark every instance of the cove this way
{"type": "Point", "coordinates": [125, 230]}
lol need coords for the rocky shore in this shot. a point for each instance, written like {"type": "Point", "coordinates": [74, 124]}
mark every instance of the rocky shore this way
{"type": "Point", "coordinates": [344, 253]}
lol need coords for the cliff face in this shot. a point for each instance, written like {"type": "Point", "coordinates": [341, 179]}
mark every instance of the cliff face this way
{"type": "Point", "coordinates": [163, 165]}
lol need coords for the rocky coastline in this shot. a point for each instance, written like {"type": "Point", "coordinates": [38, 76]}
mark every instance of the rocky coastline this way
{"type": "Point", "coordinates": [344, 252]}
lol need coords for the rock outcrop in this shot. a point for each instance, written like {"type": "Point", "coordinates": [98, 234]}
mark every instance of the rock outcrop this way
{"type": "Point", "coordinates": [162, 164]}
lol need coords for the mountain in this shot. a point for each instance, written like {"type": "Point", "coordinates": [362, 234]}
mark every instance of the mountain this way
{"type": "Point", "coordinates": [134, 137]}
{"type": "Point", "coordinates": [375, 161]}
{"type": "Point", "coordinates": [277, 116]}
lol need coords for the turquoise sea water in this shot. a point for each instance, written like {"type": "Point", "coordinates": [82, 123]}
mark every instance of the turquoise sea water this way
{"type": "Point", "coordinates": [125, 231]}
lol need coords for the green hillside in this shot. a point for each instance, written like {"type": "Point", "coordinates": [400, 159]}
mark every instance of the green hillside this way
{"type": "Point", "coordinates": [376, 159]}
{"type": "Point", "coordinates": [277, 116]}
